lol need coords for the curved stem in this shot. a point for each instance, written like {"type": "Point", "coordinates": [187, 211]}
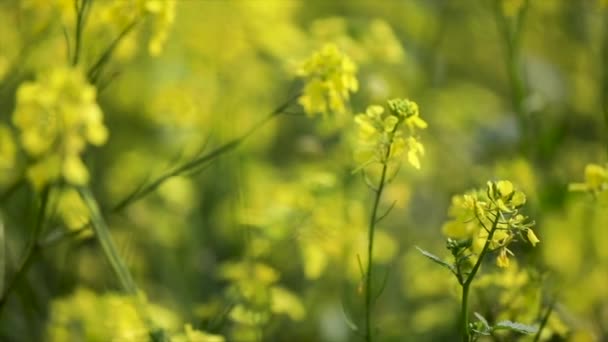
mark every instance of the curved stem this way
{"type": "Point", "coordinates": [192, 164]}
{"type": "Point", "coordinates": [116, 262]}
{"type": "Point", "coordinates": [464, 310]}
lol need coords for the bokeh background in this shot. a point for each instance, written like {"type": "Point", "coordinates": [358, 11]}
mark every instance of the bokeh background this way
{"type": "Point", "coordinates": [261, 244]}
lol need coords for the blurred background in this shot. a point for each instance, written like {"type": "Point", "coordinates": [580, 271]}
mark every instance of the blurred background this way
{"type": "Point", "coordinates": [261, 244]}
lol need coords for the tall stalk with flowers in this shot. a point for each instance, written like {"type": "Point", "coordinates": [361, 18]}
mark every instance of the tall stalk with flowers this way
{"type": "Point", "coordinates": [384, 135]}
{"type": "Point", "coordinates": [484, 222]}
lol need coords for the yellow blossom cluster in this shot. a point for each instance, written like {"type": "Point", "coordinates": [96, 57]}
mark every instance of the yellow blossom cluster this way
{"type": "Point", "coordinates": [330, 78]}
{"type": "Point", "coordinates": [57, 115]}
{"type": "Point", "coordinates": [477, 214]}
{"type": "Point", "coordinates": [386, 135]}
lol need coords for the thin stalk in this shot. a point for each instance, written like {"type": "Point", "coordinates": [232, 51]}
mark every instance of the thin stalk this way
{"type": "Point", "coordinates": [80, 18]}
{"type": "Point", "coordinates": [464, 312]}
{"type": "Point", "coordinates": [604, 73]}
{"type": "Point", "coordinates": [370, 244]}
{"type": "Point", "coordinates": [193, 164]}
{"type": "Point", "coordinates": [512, 39]}
{"type": "Point", "coordinates": [116, 262]}
{"type": "Point", "coordinates": [31, 249]}
{"type": "Point", "coordinates": [544, 320]}
{"type": "Point", "coordinates": [107, 244]}
{"type": "Point", "coordinates": [95, 71]}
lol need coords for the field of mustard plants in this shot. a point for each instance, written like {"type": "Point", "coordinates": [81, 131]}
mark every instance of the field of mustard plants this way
{"type": "Point", "coordinates": [282, 170]}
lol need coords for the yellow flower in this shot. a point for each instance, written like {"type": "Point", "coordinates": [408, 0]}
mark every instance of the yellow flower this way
{"type": "Point", "coordinates": [330, 78]}
{"type": "Point", "coordinates": [72, 209]}
{"type": "Point", "coordinates": [57, 115]}
{"type": "Point", "coordinates": [503, 259]}
{"type": "Point", "coordinates": [532, 237]}
{"type": "Point", "coordinates": [382, 137]}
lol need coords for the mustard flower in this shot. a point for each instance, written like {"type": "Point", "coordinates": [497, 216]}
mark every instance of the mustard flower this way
{"type": "Point", "coordinates": [473, 215]}
{"type": "Point", "coordinates": [57, 115]}
{"type": "Point", "coordinates": [329, 79]}
{"type": "Point", "coordinates": [384, 136]}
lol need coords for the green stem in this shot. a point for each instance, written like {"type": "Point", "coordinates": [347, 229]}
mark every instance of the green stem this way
{"type": "Point", "coordinates": [107, 244]}
{"type": "Point", "coordinates": [604, 71]}
{"type": "Point", "coordinates": [31, 249]}
{"type": "Point", "coordinates": [545, 320]}
{"type": "Point", "coordinates": [370, 243]}
{"type": "Point", "coordinates": [116, 262]}
{"type": "Point", "coordinates": [512, 40]}
{"type": "Point", "coordinates": [80, 18]}
{"type": "Point", "coordinates": [193, 164]}
{"type": "Point", "coordinates": [464, 312]}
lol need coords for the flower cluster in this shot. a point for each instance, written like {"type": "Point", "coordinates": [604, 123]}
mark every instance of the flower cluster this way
{"type": "Point", "coordinates": [57, 116]}
{"type": "Point", "coordinates": [382, 134]}
{"type": "Point", "coordinates": [493, 213]}
{"type": "Point", "coordinates": [330, 78]}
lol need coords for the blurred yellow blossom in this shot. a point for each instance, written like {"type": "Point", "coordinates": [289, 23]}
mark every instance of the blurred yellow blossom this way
{"type": "Point", "coordinates": [596, 179]}
{"type": "Point", "coordinates": [193, 335]}
{"type": "Point", "coordinates": [72, 209]}
{"type": "Point", "coordinates": [163, 12]}
{"type": "Point", "coordinates": [330, 78]}
{"type": "Point", "coordinates": [57, 115]}
{"type": "Point", "coordinates": [87, 316]}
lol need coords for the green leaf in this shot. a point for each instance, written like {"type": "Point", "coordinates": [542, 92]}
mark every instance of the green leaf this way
{"type": "Point", "coordinates": [482, 320]}
{"type": "Point", "coordinates": [482, 327]}
{"type": "Point", "coordinates": [348, 321]}
{"type": "Point", "coordinates": [436, 259]}
{"type": "Point", "coordinates": [517, 327]}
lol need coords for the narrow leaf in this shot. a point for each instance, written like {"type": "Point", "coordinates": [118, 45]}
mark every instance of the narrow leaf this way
{"type": "Point", "coordinates": [348, 321]}
{"type": "Point", "coordinates": [482, 320]}
{"type": "Point", "coordinates": [516, 326]}
{"type": "Point", "coordinates": [436, 259]}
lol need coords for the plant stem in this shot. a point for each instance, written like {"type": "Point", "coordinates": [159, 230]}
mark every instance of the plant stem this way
{"type": "Point", "coordinates": [464, 311]}
{"type": "Point", "coordinates": [370, 245]}
{"type": "Point", "coordinates": [80, 19]}
{"type": "Point", "coordinates": [116, 262]}
{"type": "Point", "coordinates": [512, 40]}
{"type": "Point", "coordinates": [545, 319]}
{"type": "Point", "coordinates": [31, 249]}
{"type": "Point", "coordinates": [604, 72]}
{"type": "Point", "coordinates": [192, 164]}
